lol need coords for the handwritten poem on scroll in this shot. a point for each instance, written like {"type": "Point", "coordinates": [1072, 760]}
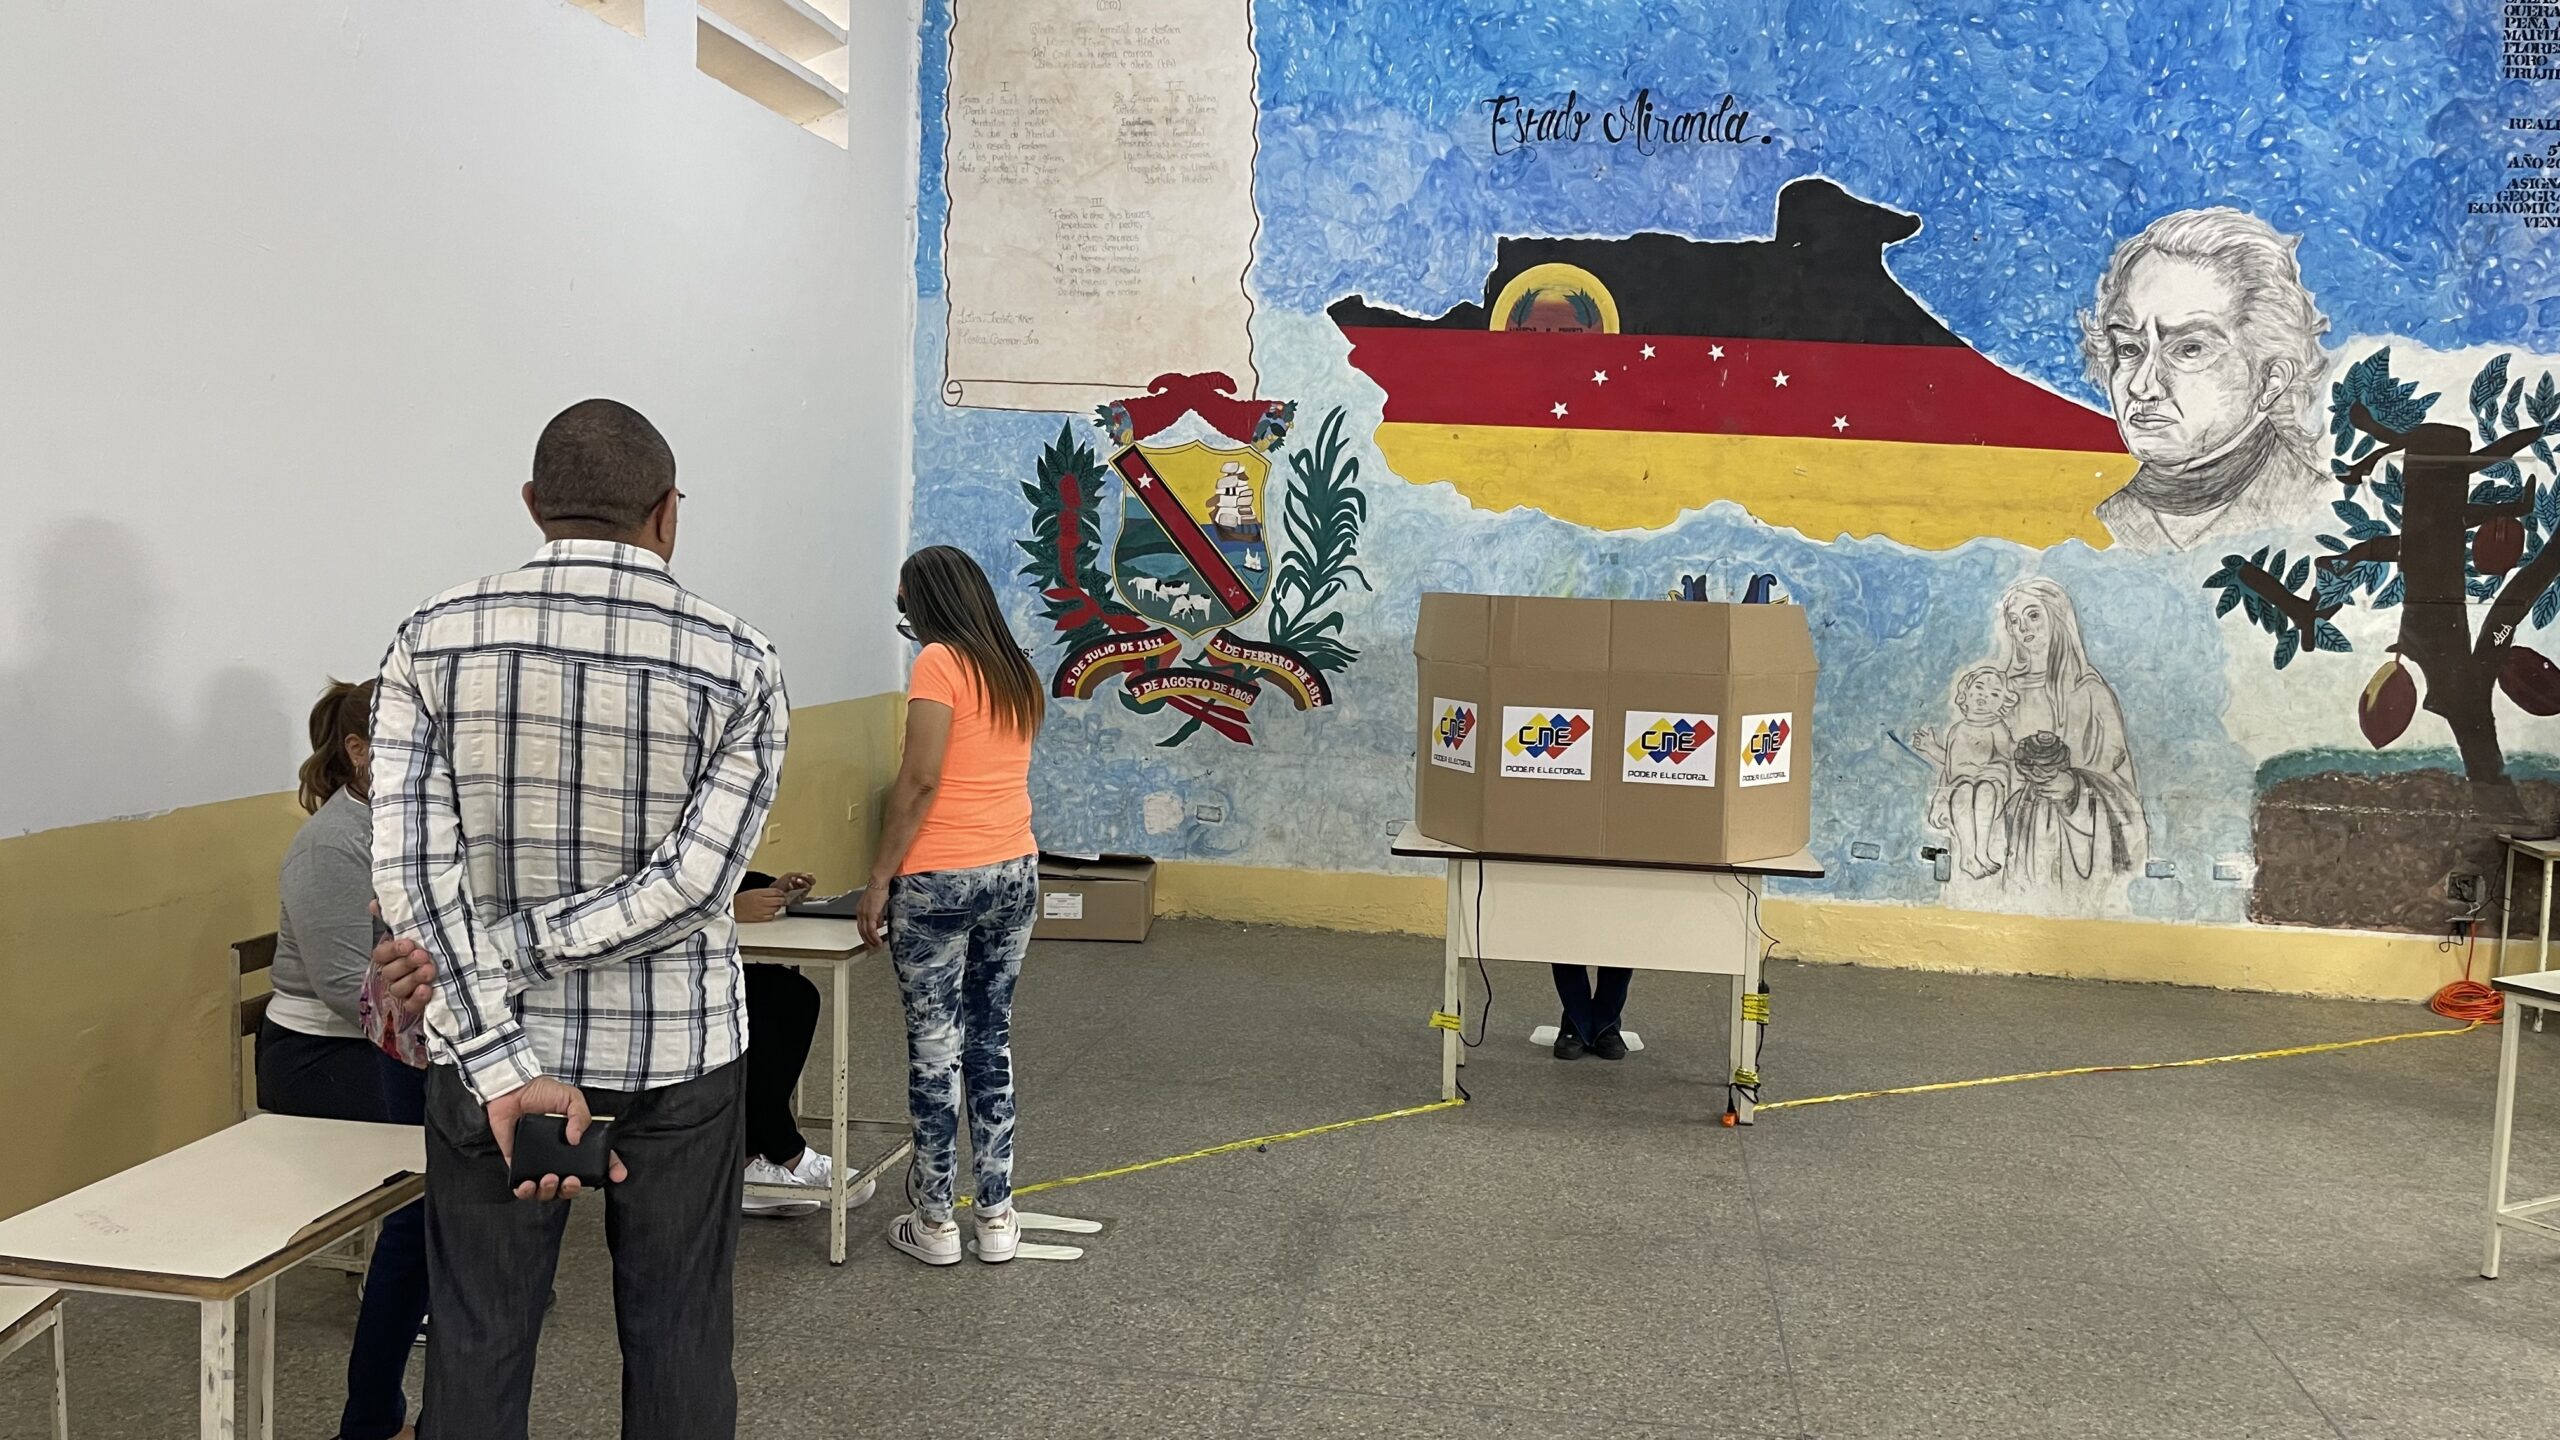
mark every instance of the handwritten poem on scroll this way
{"type": "Point", "coordinates": [1100, 173]}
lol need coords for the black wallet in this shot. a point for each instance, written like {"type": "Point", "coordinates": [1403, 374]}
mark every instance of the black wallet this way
{"type": "Point", "coordinates": [542, 1148]}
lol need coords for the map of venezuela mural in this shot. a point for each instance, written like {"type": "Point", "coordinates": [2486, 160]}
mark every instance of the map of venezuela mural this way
{"type": "Point", "coordinates": [1615, 383]}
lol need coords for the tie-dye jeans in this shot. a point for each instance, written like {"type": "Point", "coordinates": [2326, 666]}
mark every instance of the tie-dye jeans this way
{"type": "Point", "coordinates": [957, 938]}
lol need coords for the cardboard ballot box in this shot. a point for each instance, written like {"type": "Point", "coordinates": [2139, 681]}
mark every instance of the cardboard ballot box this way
{"type": "Point", "coordinates": [1657, 730]}
{"type": "Point", "coordinates": [1100, 897]}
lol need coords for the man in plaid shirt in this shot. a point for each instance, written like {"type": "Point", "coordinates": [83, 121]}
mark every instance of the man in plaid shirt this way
{"type": "Point", "coordinates": [572, 763]}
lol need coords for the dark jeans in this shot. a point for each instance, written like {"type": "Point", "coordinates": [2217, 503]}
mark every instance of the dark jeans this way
{"type": "Point", "coordinates": [346, 1079]}
{"type": "Point", "coordinates": [673, 1231]}
{"type": "Point", "coordinates": [782, 1017]}
{"type": "Point", "coordinates": [1592, 1012]}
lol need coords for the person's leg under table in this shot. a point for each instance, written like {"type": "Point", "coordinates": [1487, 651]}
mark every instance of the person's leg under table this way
{"type": "Point", "coordinates": [395, 1288]}
{"type": "Point", "coordinates": [490, 1259]}
{"type": "Point", "coordinates": [673, 1231]}
{"type": "Point", "coordinates": [1609, 998]}
{"type": "Point", "coordinates": [782, 1020]}
{"type": "Point", "coordinates": [1573, 989]}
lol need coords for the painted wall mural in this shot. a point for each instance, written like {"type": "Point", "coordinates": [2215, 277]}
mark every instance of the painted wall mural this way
{"type": "Point", "coordinates": [2156, 408]}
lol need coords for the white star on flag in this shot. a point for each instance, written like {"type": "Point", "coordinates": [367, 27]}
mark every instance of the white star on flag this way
{"type": "Point", "coordinates": [1599, 377]}
{"type": "Point", "coordinates": [1647, 352]}
{"type": "Point", "coordinates": [1559, 409]}
{"type": "Point", "coordinates": [1781, 379]}
{"type": "Point", "coordinates": [1714, 352]}
{"type": "Point", "coordinates": [1839, 422]}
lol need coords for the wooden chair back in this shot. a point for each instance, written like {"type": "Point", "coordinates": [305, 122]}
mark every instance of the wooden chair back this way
{"type": "Point", "coordinates": [248, 958]}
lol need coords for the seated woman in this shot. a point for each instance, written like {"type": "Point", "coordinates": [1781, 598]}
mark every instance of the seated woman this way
{"type": "Point", "coordinates": [782, 1018]}
{"type": "Point", "coordinates": [314, 1057]}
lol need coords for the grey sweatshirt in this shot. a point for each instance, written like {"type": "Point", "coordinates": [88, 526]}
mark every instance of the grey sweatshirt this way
{"type": "Point", "coordinates": [324, 938]}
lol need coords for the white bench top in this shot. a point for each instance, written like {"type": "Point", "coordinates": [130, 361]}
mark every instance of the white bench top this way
{"type": "Point", "coordinates": [802, 937]}
{"type": "Point", "coordinates": [216, 1208]}
{"type": "Point", "coordinates": [2539, 985]}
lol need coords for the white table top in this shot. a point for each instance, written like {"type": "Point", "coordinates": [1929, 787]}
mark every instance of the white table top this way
{"type": "Point", "coordinates": [802, 938]}
{"type": "Point", "coordinates": [1411, 842]}
{"type": "Point", "coordinates": [2536, 849]}
{"type": "Point", "coordinates": [218, 1207]}
{"type": "Point", "coordinates": [17, 1302]}
{"type": "Point", "coordinates": [2542, 986]}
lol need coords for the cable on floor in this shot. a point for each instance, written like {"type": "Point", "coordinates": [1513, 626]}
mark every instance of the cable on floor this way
{"type": "Point", "coordinates": [2466, 998]}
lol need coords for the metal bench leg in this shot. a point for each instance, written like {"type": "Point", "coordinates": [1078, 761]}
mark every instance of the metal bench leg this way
{"type": "Point", "coordinates": [61, 1381]}
{"type": "Point", "coordinates": [2510, 1044]}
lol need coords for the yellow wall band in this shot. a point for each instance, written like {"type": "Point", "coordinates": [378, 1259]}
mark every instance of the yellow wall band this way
{"type": "Point", "coordinates": [115, 950]}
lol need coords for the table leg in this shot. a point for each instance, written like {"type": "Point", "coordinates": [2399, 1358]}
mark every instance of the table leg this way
{"type": "Point", "coordinates": [2544, 961]}
{"type": "Point", "coordinates": [2506, 914]}
{"type": "Point", "coordinates": [61, 1381]}
{"type": "Point", "coordinates": [258, 1384]}
{"type": "Point", "coordinates": [1745, 985]}
{"type": "Point", "coordinates": [217, 1383]}
{"type": "Point", "coordinates": [838, 1041]}
{"type": "Point", "coordinates": [1450, 995]}
{"type": "Point", "coordinates": [2502, 1132]}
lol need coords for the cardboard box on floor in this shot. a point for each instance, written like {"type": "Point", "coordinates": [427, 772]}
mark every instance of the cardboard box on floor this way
{"type": "Point", "coordinates": [1099, 897]}
{"type": "Point", "coordinates": [1644, 730]}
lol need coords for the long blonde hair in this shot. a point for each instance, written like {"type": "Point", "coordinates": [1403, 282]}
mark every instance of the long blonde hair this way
{"type": "Point", "coordinates": [344, 711]}
{"type": "Point", "coordinates": [949, 602]}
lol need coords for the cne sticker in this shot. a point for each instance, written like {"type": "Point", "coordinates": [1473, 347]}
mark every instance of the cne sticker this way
{"type": "Point", "coordinates": [1668, 748]}
{"type": "Point", "coordinates": [1453, 734]}
{"type": "Point", "coordinates": [1539, 743]}
{"type": "Point", "coordinates": [1768, 750]}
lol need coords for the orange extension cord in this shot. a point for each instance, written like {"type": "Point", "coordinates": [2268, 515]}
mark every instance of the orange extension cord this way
{"type": "Point", "coordinates": [2468, 999]}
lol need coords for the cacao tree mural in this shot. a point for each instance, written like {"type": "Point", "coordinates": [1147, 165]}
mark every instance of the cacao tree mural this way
{"type": "Point", "coordinates": [2454, 534]}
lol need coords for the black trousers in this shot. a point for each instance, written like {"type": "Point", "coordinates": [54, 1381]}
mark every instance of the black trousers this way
{"type": "Point", "coordinates": [673, 1231]}
{"type": "Point", "coordinates": [326, 1077]}
{"type": "Point", "coordinates": [1591, 1010]}
{"type": "Point", "coordinates": [782, 1018]}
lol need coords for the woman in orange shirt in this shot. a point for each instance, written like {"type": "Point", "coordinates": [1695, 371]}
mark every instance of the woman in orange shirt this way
{"type": "Point", "coordinates": [958, 881]}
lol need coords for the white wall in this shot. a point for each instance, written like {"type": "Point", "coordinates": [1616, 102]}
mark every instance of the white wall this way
{"type": "Point", "coordinates": [287, 288]}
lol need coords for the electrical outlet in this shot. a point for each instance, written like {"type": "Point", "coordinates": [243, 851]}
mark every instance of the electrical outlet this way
{"type": "Point", "coordinates": [2231, 869]}
{"type": "Point", "coordinates": [1210, 814]}
{"type": "Point", "coordinates": [2462, 889]}
{"type": "Point", "coordinates": [1866, 850]}
{"type": "Point", "coordinates": [1933, 852]}
{"type": "Point", "coordinates": [2161, 870]}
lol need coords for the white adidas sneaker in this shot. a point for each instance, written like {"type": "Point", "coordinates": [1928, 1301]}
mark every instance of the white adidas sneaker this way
{"type": "Point", "coordinates": [998, 1235]}
{"type": "Point", "coordinates": [814, 1173]}
{"type": "Point", "coordinates": [933, 1244]}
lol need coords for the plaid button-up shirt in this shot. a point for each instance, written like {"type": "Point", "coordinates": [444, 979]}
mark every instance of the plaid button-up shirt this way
{"type": "Point", "coordinates": [572, 763]}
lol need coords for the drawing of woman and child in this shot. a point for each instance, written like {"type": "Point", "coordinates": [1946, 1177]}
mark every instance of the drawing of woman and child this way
{"type": "Point", "coordinates": [2035, 782]}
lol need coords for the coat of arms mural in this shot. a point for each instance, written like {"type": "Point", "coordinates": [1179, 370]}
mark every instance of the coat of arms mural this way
{"type": "Point", "coordinates": [1169, 615]}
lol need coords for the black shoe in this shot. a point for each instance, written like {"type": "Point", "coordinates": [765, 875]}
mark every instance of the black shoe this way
{"type": "Point", "coordinates": [1568, 1044]}
{"type": "Point", "coordinates": [1609, 1044]}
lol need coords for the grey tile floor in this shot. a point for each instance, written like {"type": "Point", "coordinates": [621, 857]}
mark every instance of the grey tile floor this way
{"type": "Point", "coordinates": [2264, 1250]}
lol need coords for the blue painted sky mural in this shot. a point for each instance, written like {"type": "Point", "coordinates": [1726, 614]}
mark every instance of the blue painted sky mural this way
{"type": "Point", "coordinates": [2031, 143]}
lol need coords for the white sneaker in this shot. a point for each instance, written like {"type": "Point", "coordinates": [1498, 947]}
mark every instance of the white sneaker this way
{"type": "Point", "coordinates": [930, 1243]}
{"type": "Point", "coordinates": [998, 1235]}
{"type": "Point", "coordinates": [815, 1171]}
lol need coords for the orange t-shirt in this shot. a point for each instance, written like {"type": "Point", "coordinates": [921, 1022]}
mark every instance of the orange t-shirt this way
{"type": "Point", "coordinates": [981, 812]}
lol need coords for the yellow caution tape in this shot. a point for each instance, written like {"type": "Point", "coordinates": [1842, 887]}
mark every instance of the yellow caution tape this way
{"type": "Point", "coordinates": [1755, 1008]}
{"type": "Point", "coordinates": [2285, 1053]}
{"type": "Point", "coordinates": [1232, 1146]}
{"type": "Point", "coordinates": [1443, 1020]}
{"type": "Point", "coordinates": [1746, 1077]}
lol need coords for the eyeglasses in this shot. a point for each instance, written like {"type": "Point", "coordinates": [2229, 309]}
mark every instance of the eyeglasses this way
{"type": "Point", "coordinates": [905, 630]}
